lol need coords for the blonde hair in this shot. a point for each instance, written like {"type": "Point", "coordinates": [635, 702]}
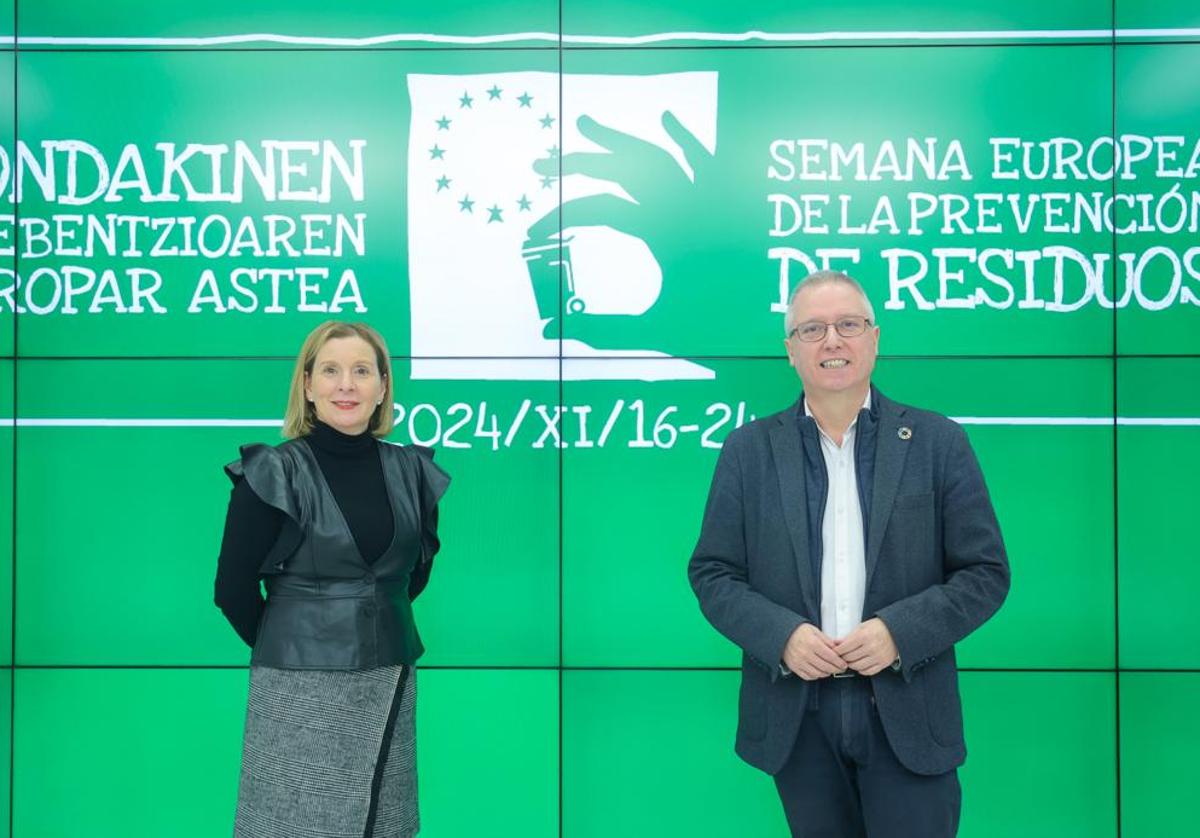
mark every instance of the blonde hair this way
{"type": "Point", "coordinates": [300, 415]}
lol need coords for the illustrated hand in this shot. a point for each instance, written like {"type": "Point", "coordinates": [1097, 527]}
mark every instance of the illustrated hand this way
{"type": "Point", "coordinates": [869, 649]}
{"type": "Point", "coordinates": [676, 216]}
{"type": "Point", "coordinates": [646, 171]}
{"type": "Point", "coordinates": [811, 654]}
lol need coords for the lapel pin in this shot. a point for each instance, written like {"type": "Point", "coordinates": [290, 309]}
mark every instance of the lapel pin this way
{"type": "Point", "coordinates": [904, 433]}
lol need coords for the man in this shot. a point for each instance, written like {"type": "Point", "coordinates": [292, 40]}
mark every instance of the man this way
{"type": "Point", "coordinates": [848, 543]}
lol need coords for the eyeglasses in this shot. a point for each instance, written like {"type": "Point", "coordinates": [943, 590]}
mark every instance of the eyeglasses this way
{"type": "Point", "coordinates": [815, 330]}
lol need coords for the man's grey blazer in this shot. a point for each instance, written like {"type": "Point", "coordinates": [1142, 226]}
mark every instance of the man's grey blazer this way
{"type": "Point", "coordinates": [936, 570]}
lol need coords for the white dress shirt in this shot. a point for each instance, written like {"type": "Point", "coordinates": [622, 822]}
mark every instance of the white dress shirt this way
{"type": "Point", "coordinates": [843, 551]}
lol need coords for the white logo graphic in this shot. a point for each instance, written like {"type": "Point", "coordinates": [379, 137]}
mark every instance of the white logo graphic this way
{"type": "Point", "coordinates": [480, 287]}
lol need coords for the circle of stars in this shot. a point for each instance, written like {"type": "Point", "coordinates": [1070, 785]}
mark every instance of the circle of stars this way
{"type": "Point", "coordinates": [444, 183]}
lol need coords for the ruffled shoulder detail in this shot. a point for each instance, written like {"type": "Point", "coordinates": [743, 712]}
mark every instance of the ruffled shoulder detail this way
{"type": "Point", "coordinates": [430, 482]}
{"type": "Point", "coordinates": [264, 469]}
{"type": "Point", "coordinates": [434, 479]}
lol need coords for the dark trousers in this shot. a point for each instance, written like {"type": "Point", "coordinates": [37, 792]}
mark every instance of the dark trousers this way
{"type": "Point", "coordinates": [843, 781]}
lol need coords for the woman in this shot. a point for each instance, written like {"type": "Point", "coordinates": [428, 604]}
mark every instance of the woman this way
{"type": "Point", "coordinates": [342, 529]}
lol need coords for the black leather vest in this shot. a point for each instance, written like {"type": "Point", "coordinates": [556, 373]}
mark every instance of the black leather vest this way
{"type": "Point", "coordinates": [327, 608]}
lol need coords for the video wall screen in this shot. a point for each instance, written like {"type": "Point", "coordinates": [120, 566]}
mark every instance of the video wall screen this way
{"type": "Point", "coordinates": [577, 226]}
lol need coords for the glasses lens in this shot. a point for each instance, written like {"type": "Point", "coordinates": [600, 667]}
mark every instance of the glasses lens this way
{"type": "Point", "coordinates": [850, 327]}
{"type": "Point", "coordinates": [811, 331]}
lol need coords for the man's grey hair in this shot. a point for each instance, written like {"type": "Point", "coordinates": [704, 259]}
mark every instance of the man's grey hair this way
{"type": "Point", "coordinates": [823, 278]}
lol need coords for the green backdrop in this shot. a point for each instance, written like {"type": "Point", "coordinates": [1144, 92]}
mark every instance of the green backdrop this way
{"type": "Point", "coordinates": [574, 223]}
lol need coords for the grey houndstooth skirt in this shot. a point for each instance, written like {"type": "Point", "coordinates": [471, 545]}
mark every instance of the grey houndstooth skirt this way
{"type": "Point", "coordinates": [329, 754]}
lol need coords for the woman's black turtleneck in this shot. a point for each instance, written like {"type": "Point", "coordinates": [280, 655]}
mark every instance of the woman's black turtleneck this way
{"type": "Point", "coordinates": [354, 472]}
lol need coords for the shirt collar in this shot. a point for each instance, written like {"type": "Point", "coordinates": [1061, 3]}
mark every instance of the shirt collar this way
{"type": "Point", "coordinates": [866, 405]}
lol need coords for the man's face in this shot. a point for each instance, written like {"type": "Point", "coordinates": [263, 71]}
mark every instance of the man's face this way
{"type": "Point", "coordinates": [833, 364]}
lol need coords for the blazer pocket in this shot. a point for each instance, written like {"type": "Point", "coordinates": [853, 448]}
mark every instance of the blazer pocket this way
{"type": "Point", "coordinates": [919, 501]}
{"type": "Point", "coordinates": [943, 706]}
{"type": "Point", "coordinates": [911, 534]}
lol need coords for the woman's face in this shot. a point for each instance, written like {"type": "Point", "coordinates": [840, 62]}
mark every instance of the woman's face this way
{"type": "Point", "coordinates": [345, 385]}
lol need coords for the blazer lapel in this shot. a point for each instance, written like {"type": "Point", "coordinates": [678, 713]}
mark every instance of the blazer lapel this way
{"type": "Point", "coordinates": [890, 451]}
{"type": "Point", "coordinates": [789, 466]}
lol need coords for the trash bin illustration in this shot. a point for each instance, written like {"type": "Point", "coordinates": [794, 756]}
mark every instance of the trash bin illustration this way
{"type": "Point", "coordinates": [603, 271]}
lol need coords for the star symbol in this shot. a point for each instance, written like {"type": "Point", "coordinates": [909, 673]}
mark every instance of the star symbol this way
{"type": "Point", "coordinates": [553, 152]}
{"type": "Point", "coordinates": [465, 101]}
{"type": "Point", "coordinates": [494, 93]}
{"type": "Point", "coordinates": [443, 183]}
{"type": "Point", "coordinates": [436, 153]}
{"type": "Point", "coordinates": [524, 203]}
{"type": "Point", "coordinates": [443, 124]}
{"type": "Point", "coordinates": [466, 204]}
{"type": "Point", "coordinates": [547, 182]}
{"type": "Point", "coordinates": [546, 121]}
{"type": "Point", "coordinates": [525, 100]}
{"type": "Point", "coordinates": [494, 214]}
